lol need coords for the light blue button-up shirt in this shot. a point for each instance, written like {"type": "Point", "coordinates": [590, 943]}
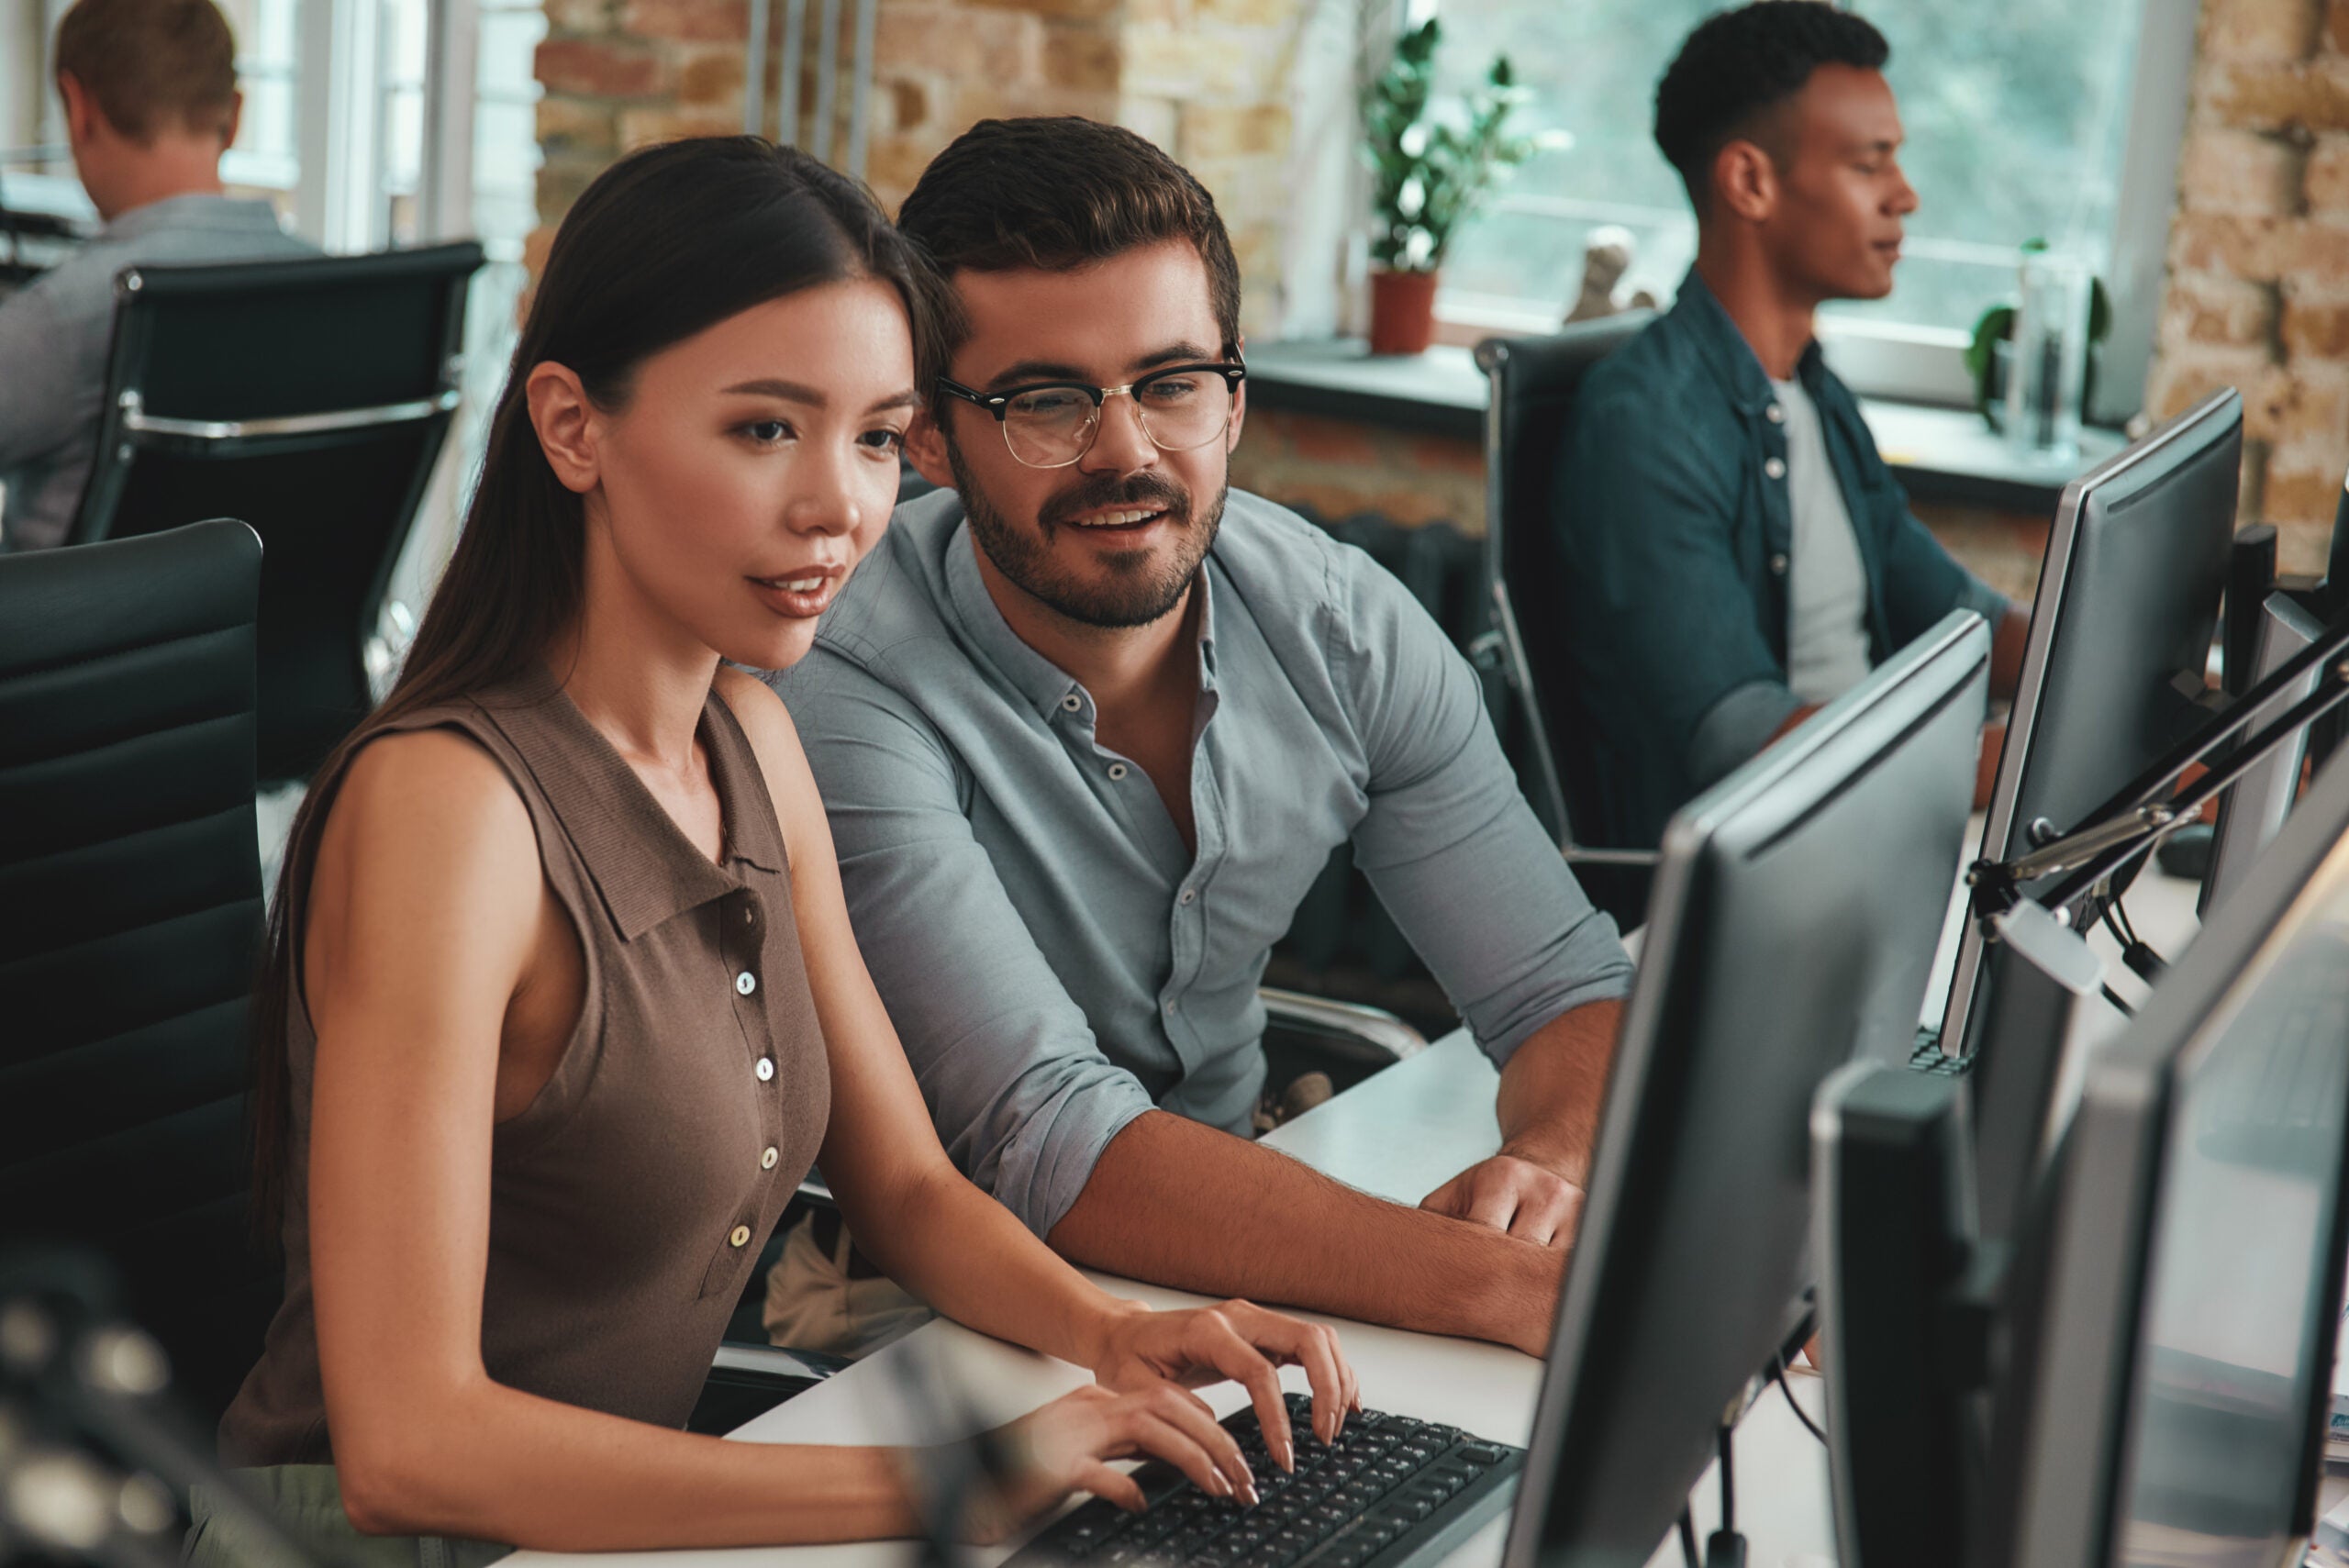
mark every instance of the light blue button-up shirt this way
{"type": "Point", "coordinates": [56, 331]}
{"type": "Point", "coordinates": [1055, 961]}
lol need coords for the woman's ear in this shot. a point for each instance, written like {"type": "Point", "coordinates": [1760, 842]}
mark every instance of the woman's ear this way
{"type": "Point", "coordinates": [926, 447]}
{"type": "Point", "coordinates": [566, 424]}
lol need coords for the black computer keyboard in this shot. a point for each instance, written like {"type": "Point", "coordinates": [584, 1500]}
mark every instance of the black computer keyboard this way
{"type": "Point", "coordinates": [1390, 1492]}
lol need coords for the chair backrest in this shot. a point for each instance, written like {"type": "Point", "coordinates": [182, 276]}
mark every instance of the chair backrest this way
{"type": "Point", "coordinates": [309, 398]}
{"type": "Point", "coordinates": [1526, 421]}
{"type": "Point", "coordinates": [130, 917]}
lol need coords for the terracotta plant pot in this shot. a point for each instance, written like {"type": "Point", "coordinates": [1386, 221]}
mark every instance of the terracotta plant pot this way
{"type": "Point", "coordinates": [1402, 312]}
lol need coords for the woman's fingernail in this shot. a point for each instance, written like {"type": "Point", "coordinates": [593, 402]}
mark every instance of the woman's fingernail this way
{"type": "Point", "coordinates": [1248, 1494]}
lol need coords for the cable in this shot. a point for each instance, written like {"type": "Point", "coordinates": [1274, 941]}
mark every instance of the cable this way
{"type": "Point", "coordinates": [1778, 1372]}
{"type": "Point", "coordinates": [1725, 1547]}
{"type": "Point", "coordinates": [1729, 1483]}
{"type": "Point", "coordinates": [2115, 997]}
{"type": "Point", "coordinates": [1689, 1538]}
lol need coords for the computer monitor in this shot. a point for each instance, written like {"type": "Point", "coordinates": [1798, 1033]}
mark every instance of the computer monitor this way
{"type": "Point", "coordinates": [1797, 907]}
{"type": "Point", "coordinates": [2255, 806]}
{"type": "Point", "coordinates": [2175, 1334]}
{"type": "Point", "coordinates": [2119, 636]}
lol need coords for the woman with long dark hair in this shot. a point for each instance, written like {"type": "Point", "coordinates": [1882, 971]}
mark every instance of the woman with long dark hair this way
{"type": "Point", "coordinates": [560, 998]}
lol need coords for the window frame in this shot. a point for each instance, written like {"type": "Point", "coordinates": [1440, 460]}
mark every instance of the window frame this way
{"type": "Point", "coordinates": [1912, 363]}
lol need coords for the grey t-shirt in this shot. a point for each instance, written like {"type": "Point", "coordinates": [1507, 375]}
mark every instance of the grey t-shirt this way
{"type": "Point", "coordinates": [1827, 583]}
{"type": "Point", "coordinates": [55, 333]}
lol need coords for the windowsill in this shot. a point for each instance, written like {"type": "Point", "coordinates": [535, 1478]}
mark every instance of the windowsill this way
{"type": "Point", "coordinates": [1944, 455]}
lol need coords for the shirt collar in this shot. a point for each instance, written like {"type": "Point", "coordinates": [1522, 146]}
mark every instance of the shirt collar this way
{"type": "Point", "coordinates": [645, 868]}
{"type": "Point", "coordinates": [194, 210]}
{"type": "Point", "coordinates": [1044, 685]}
{"type": "Point", "coordinates": [1728, 353]}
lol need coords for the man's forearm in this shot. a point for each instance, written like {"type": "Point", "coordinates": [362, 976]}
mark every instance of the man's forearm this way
{"type": "Point", "coordinates": [1183, 1204]}
{"type": "Point", "coordinates": [1553, 1087]}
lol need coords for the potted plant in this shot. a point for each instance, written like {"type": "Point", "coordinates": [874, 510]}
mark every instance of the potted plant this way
{"type": "Point", "coordinates": [1429, 174]}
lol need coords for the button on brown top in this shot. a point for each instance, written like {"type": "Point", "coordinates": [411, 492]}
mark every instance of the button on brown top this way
{"type": "Point", "coordinates": [623, 1199]}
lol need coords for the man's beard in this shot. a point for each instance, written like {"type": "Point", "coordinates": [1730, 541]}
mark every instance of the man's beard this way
{"type": "Point", "coordinates": [1139, 585]}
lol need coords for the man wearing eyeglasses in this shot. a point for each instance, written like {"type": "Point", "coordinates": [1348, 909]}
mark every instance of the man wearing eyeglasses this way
{"type": "Point", "coordinates": [1088, 725]}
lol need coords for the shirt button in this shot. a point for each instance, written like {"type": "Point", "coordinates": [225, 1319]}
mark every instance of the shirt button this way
{"type": "Point", "coordinates": [1117, 770]}
{"type": "Point", "coordinates": [1778, 566]}
{"type": "Point", "coordinates": [767, 1159]}
{"type": "Point", "coordinates": [1072, 702]}
{"type": "Point", "coordinates": [1775, 468]}
{"type": "Point", "coordinates": [1777, 415]}
{"type": "Point", "coordinates": [766, 1068]}
{"type": "Point", "coordinates": [1188, 894]}
{"type": "Point", "coordinates": [742, 1236]}
{"type": "Point", "coordinates": [746, 982]}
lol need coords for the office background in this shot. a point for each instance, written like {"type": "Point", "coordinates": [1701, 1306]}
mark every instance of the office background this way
{"type": "Point", "coordinates": [2197, 151]}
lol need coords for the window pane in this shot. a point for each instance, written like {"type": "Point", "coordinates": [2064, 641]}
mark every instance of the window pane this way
{"type": "Point", "coordinates": [2014, 111]}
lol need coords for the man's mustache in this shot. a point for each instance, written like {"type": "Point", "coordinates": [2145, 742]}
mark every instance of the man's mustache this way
{"type": "Point", "coordinates": [1141, 491]}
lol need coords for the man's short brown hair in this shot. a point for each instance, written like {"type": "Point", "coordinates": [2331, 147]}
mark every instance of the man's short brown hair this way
{"type": "Point", "coordinates": [1058, 193]}
{"type": "Point", "coordinates": [152, 65]}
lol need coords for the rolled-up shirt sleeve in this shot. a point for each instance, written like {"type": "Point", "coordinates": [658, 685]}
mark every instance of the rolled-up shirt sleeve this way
{"type": "Point", "coordinates": [1735, 729]}
{"type": "Point", "coordinates": [1022, 1097]}
{"type": "Point", "coordinates": [1449, 842]}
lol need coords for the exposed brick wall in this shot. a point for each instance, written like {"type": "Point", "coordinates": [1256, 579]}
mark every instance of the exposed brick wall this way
{"type": "Point", "coordinates": [1208, 80]}
{"type": "Point", "coordinates": [2258, 291]}
{"type": "Point", "coordinates": [1338, 467]}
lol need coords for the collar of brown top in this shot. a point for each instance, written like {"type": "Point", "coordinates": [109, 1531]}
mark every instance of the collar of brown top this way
{"type": "Point", "coordinates": [645, 868]}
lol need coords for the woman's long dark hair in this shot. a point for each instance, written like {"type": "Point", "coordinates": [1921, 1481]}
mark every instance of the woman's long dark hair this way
{"type": "Point", "coordinates": [665, 243]}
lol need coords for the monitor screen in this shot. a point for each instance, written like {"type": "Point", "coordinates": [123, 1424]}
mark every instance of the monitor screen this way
{"type": "Point", "coordinates": [2120, 633]}
{"type": "Point", "coordinates": [1797, 905]}
{"type": "Point", "coordinates": [2242, 1273]}
{"type": "Point", "coordinates": [2174, 1322]}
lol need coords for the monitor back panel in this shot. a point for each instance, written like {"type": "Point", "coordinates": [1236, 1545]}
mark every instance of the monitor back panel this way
{"type": "Point", "coordinates": [1798, 908]}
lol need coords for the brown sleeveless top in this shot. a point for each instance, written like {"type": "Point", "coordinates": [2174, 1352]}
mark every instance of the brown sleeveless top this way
{"type": "Point", "coordinates": [630, 1200]}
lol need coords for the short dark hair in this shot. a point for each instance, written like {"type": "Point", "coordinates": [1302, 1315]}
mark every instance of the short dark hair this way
{"type": "Point", "coordinates": [153, 62]}
{"type": "Point", "coordinates": [1059, 192]}
{"type": "Point", "coordinates": [1739, 66]}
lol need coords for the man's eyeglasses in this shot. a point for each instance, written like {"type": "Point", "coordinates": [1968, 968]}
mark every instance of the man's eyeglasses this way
{"type": "Point", "coordinates": [1052, 424]}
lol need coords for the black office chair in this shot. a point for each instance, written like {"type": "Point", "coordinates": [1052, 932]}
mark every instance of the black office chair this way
{"type": "Point", "coordinates": [130, 918]}
{"type": "Point", "coordinates": [310, 398]}
{"type": "Point", "coordinates": [1533, 385]}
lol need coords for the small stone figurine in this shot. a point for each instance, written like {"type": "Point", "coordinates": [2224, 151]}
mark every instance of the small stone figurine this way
{"type": "Point", "coordinates": [1606, 257]}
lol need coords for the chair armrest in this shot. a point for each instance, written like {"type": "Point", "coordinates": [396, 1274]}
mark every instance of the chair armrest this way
{"type": "Point", "coordinates": [1584, 855]}
{"type": "Point", "coordinates": [813, 1189]}
{"type": "Point", "coordinates": [1379, 1032]}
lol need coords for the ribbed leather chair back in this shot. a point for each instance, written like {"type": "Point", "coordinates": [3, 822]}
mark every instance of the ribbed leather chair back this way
{"type": "Point", "coordinates": [130, 916]}
{"type": "Point", "coordinates": [309, 398]}
{"type": "Point", "coordinates": [1534, 381]}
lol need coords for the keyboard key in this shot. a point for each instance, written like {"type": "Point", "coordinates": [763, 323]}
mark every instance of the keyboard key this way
{"type": "Point", "coordinates": [1479, 1455]}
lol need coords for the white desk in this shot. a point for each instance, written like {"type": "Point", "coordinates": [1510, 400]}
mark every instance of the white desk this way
{"type": "Point", "coordinates": [1399, 1134]}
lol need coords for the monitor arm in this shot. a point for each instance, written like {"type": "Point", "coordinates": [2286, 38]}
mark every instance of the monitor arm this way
{"type": "Point", "coordinates": [2127, 827]}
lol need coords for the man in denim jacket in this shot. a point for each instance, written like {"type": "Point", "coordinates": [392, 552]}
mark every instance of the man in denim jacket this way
{"type": "Point", "coordinates": [1736, 552]}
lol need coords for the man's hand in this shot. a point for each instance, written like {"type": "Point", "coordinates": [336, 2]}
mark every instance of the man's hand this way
{"type": "Point", "coordinates": [1529, 1201]}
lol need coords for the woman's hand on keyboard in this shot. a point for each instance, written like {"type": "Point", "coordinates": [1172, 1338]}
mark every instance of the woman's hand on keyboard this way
{"type": "Point", "coordinates": [1238, 1340]}
{"type": "Point", "coordinates": [1069, 1445]}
